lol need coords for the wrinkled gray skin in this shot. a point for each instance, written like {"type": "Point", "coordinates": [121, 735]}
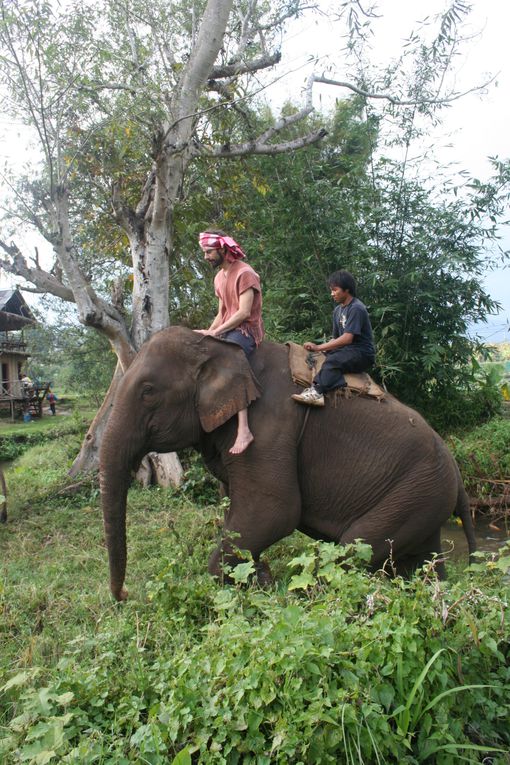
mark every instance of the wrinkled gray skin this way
{"type": "Point", "coordinates": [3, 505]}
{"type": "Point", "coordinates": [357, 468]}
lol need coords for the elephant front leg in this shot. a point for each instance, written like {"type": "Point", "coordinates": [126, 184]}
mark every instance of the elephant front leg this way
{"type": "Point", "coordinates": [259, 516]}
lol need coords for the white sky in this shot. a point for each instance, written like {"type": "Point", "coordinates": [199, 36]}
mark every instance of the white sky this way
{"type": "Point", "coordinates": [475, 127]}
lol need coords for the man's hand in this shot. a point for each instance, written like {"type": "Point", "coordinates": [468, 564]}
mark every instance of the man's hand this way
{"type": "Point", "coordinates": [311, 347]}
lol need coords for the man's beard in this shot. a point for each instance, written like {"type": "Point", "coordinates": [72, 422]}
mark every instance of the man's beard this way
{"type": "Point", "coordinates": [217, 262]}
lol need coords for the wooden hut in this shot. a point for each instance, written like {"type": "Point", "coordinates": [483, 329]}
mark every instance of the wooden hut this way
{"type": "Point", "coordinates": [17, 396]}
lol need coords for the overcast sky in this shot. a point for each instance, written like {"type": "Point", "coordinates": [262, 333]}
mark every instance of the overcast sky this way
{"type": "Point", "coordinates": [475, 127]}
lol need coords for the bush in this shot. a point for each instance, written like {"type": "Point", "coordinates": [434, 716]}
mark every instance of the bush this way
{"type": "Point", "coordinates": [483, 456]}
{"type": "Point", "coordinates": [199, 485]}
{"type": "Point", "coordinates": [331, 665]}
{"type": "Point", "coordinates": [339, 666]}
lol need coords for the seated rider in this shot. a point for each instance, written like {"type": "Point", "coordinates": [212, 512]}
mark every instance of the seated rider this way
{"type": "Point", "coordinates": [352, 347]}
{"type": "Point", "coordinates": [239, 317]}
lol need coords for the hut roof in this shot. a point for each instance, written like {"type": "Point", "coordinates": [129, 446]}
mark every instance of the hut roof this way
{"type": "Point", "coordinates": [14, 312]}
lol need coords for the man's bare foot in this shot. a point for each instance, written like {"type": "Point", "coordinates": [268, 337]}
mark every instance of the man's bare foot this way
{"type": "Point", "coordinates": [242, 442]}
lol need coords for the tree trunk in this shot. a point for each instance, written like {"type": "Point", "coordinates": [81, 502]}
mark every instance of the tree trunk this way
{"type": "Point", "coordinates": [167, 469]}
{"type": "Point", "coordinates": [161, 469]}
{"type": "Point", "coordinates": [88, 457]}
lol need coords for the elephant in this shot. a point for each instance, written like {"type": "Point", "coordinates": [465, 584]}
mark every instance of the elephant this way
{"type": "Point", "coordinates": [3, 503]}
{"type": "Point", "coordinates": [356, 469]}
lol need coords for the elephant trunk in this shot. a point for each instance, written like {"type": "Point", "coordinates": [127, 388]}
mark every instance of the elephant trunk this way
{"type": "Point", "coordinates": [116, 459]}
{"type": "Point", "coordinates": [113, 498]}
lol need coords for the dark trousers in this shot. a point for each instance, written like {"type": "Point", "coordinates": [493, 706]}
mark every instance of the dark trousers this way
{"type": "Point", "coordinates": [346, 359]}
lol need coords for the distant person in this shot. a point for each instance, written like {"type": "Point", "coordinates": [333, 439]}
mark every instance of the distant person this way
{"type": "Point", "coordinates": [239, 317]}
{"type": "Point", "coordinates": [51, 399]}
{"type": "Point", "coordinates": [27, 385]}
{"type": "Point", "coordinates": [352, 347]}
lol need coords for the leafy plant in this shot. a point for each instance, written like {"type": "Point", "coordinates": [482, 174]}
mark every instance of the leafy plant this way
{"type": "Point", "coordinates": [330, 665]}
{"type": "Point", "coordinates": [483, 457]}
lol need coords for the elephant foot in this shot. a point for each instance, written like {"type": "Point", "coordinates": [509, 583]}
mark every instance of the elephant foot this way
{"type": "Point", "coordinates": [264, 575]}
{"type": "Point", "coordinates": [120, 595]}
{"type": "Point", "coordinates": [217, 563]}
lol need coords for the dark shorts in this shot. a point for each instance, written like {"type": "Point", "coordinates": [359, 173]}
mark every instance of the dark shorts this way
{"type": "Point", "coordinates": [246, 342]}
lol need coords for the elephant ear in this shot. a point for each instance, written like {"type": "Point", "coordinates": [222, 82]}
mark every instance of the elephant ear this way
{"type": "Point", "coordinates": [226, 383]}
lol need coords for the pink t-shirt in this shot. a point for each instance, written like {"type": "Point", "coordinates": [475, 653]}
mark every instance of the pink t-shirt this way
{"type": "Point", "coordinates": [229, 285]}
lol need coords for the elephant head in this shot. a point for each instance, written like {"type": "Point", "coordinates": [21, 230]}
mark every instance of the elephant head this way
{"type": "Point", "coordinates": [180, 385]}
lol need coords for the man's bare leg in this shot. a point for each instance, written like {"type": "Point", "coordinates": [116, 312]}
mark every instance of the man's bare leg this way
{"type": "Point", "coordinates": [244, 435]}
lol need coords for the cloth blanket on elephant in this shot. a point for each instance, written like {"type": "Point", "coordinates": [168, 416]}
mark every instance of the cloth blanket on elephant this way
{"type": "Point", "coordinates": [304, 365]}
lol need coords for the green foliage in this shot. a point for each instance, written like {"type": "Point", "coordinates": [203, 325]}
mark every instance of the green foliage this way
{"type": "Point", "coordinates": [331, 665]}
{"type": "Point", "coordinates": [483, 457]}
{"type": "Point", "coordinates": [199, 486]}
{"type": "Point", "coordinates": [293, 214]}
{"type": "Point", "coordinates": [417, 247]}
{"type": "Point", "coordinates": [423, 284]}
{"type": "Point", "coordinates": [74, 358]}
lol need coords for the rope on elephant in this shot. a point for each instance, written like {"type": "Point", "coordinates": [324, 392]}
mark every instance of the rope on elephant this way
{"type": "Point", "coordinates": [348, 392]}
{"type": "Point", "coordinates": [303, 426]}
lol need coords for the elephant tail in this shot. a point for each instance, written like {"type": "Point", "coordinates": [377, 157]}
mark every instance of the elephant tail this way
{"type": "Point", "coordinates": [463, 512]}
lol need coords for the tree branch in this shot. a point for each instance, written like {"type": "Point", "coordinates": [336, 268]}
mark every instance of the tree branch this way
{"type": "Point", "coordinates": [94, 312]}
{"type": "Point", "coordinates": [232, 70]}
{"type": "Point", "coordinates": [393, 99]}
{"type": "Point", "coordinates": [203, 54]}
{"type": "Point", "coordinates": [143, 206]}
{"type": "Point", "coordinates": [255, 147]}
{"type": "Point", "coordinates": [44, 281]}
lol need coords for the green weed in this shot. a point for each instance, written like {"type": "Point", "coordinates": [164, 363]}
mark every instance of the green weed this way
{"type": "Point", "coordinates": [329, 665]}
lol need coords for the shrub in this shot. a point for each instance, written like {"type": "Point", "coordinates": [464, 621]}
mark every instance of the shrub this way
{"type": "Point", "coordinates": [483, 456]}
{"type": "Point", "coordinates": [339, 667]}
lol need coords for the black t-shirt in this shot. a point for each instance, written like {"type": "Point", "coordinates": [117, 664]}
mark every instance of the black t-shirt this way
{"type": "Point", "coordinates": [354, 318]}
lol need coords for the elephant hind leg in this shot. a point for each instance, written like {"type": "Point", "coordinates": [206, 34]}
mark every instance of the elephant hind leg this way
{"type": "Point", "coordinates": [401, 541]}
{"type": "Point", "coordinates": [406, 565]}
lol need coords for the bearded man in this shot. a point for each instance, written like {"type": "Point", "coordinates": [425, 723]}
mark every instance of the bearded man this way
{"type": "Point", "coordinates": [239, 317]}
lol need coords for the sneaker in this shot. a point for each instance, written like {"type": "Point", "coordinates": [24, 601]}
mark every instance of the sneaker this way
{"type": "Point", "coordinates": [309, 396]}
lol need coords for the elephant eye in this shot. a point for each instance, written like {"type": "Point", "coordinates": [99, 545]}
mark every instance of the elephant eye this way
{"type": "Point", "coordinates": [147, 389]}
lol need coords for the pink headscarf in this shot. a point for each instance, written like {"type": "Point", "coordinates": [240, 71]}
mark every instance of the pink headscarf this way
{"type": "Point", "coordinates": [209, 241]}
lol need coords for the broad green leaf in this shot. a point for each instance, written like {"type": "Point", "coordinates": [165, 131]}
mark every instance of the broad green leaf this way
{"type": "Point", "coordinates": [182, 758]}
{"type": "Point", "coordinates": [302, 581]}
{"type": "Point", "coordinates": [242, 572]}
{"type": "Point", "coordinates": [20, 679]}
